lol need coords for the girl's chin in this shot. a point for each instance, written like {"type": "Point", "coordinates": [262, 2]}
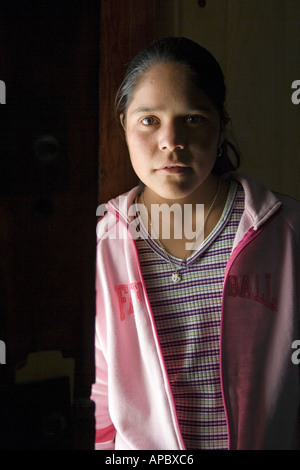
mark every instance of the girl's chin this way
{"type": "Point", "coordinates": [171, 193]}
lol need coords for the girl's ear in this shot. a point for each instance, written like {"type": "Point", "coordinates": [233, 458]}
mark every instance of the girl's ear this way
{"type": "Point", "coordinates": [224, 121]}
{"type": "Point", "coordinates": [122, 120]}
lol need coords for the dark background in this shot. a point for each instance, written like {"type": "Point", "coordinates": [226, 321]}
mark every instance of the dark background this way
{"type": "Point", "coordinates": [49, 61]}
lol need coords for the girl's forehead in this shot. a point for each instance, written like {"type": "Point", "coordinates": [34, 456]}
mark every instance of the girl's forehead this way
{"type": "Point", "coordinates": [166, 83]}
{"type": "Point", "coordinates": [165, 71]}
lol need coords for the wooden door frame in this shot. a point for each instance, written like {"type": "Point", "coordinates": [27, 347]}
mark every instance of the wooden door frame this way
{"type": "Point", "coordinates": [125, 27]}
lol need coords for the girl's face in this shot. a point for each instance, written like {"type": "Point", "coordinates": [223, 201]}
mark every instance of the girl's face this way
{"type": "Point", "coordinates": [173, 132]}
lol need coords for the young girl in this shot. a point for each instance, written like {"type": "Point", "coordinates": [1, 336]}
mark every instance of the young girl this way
{"type": "Point", "coordinates": [195, 321]}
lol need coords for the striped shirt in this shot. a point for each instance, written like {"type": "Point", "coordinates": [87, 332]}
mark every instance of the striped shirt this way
{"type": "Point", "coordinates": [188, 318]}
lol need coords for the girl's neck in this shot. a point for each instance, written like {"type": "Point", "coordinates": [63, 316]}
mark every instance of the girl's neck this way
{"type": "Point", "coordinates": [213, 198]}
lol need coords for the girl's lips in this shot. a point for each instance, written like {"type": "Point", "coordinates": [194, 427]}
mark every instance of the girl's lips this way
{"type": "Point", "coordinates": [174, 168]}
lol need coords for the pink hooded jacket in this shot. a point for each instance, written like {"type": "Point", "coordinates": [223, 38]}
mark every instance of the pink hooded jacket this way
{"type": "Point", "coordinates": [134, 407]}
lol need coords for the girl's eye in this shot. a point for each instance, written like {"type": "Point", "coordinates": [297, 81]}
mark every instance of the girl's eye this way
{"type": "Point", "coordinates": [194, 119]}
{"type": "Point", "coordinates": [148, 121]}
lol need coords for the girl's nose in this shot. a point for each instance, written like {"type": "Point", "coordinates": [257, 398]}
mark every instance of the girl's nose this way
{"type": "Point", "coordinates": [172, 137]}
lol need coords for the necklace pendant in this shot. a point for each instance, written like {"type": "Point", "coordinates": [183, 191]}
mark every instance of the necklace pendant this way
{"type": "Point", "coordinates": [176, 277]}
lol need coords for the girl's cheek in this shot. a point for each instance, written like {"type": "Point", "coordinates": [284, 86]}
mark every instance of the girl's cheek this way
{"type": "Point", "coordinates": [140, 138]}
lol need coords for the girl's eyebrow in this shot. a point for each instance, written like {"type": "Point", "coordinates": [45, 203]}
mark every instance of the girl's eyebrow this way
{"type": "Point", "coordinates": [145, 110]}
{"type": "Point", "coordinates": [192, 109]}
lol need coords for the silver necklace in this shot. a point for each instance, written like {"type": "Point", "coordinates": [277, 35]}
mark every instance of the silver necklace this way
{"type": "Point", "coordinates": [176, 274]}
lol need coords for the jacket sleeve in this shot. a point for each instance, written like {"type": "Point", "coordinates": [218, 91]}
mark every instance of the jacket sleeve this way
{"type": "Point", "coordinates": [104, 428]}
{"type": "Point", "coordinates": [105, 431]}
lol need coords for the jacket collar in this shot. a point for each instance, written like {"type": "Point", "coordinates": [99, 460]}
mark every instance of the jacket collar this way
{"type": "Point", "coordinates": [123, 205]}
{"type": "Point", "coordinates": [260, 206]}
{"type": "Point", "coordinates": [260, 202]}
